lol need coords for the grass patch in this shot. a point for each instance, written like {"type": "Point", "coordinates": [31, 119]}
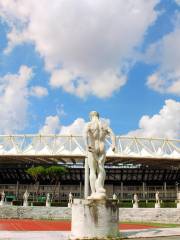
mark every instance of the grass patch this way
{"type": "Point", "coordinates": [161, 225]}
{"type": "Point", "coordinates": [54, 220]}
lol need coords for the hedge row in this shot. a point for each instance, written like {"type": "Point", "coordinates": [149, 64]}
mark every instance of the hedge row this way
{"type": "Point", "coordinates": [122, 204]}
{"type": "Point", "coordinates": [148, 204]}
{"type": "Point", "coordinates": [35, 203]}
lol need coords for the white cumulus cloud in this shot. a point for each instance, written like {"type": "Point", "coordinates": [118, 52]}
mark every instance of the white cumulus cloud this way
{"type": "Point", "coordinates": [51, 125]}
{"type": "Point", "coordinates": [165, 53]}
{"type": "Point", "coordinates": [178, 2]}
{"type": "Point", "coordinates": [88, 46]}
{"type": "Point", "coordinates": [76, 128]}
{"type": "Point", "coordinates": [14, 100]}
{"type": "Point", "coordinates": [164, 124]}
{"type": "Point", "coordinates": [38, 91]}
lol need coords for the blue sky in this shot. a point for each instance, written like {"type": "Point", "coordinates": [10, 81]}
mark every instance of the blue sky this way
{"type": "Point", "coordinates": [60, 60]}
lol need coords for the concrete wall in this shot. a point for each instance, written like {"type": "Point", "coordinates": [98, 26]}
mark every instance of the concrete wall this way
{"type": "Point", "coordinates": [164, 215]}
{"type": "Point", "coordinates": [35, 212]}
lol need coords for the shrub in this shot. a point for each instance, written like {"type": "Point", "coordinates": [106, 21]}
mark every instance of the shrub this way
{"type": "Point", "coordinates": [35, 203]}
{"type": "Point", "coordinates": [59, 204]}
{"type": "Point", "coordinates": [168, 204]}
{"type": "Point", "coordinates": [125, 204]}
{"type": "Point", "coordinates": [17, 203]}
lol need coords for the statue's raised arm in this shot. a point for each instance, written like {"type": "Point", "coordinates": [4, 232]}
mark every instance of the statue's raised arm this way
{"type": "Point", "coordinates": [113, 139]}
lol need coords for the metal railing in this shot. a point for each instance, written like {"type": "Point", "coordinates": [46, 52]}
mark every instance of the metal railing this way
{"type": "Point", "coordinates": [62, 191]}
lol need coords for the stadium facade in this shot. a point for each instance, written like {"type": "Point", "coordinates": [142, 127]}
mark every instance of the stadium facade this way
{"type": "Point", "coordinates": [141, 165]}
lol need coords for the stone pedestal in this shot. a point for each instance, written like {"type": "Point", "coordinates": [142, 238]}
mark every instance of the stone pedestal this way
{"type": "Point", "coordinates": [178, 204]}
{"type": "Point", "coordinates": [94, 219]}
{"type": "Point", "coordinates": [2, 203]}
{"type": "Point", "coordinates": [48, 204]}
{"type": "Point", "coordinates": [25, 204]}
{"type": "Point", "coordinates": [135, 205]}
{"type": "Point", "coordinates": [157, 205]}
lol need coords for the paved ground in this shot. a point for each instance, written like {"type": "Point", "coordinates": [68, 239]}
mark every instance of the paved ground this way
{"type": "Point", "coordinates": [158, 238]}
{"type": "Point", "coordinates": [153, 232]}
{"type": "Point", "coordinates": [62, 235]}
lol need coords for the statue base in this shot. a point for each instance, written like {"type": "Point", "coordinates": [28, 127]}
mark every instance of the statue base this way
{"type": "Point", "coordinates": [178, 204]}
{"type": "Point", "coordinates": [157, 205]}
{"type": "Point", "coordinates": [93, 218]}
{"type": "Point", "coordinates": [135, 205]}
{"type": "Point", "coordinates": [2, 203]}
{"type": "Point", "coordinates": [69, 205]}
{"type": "Point", "coordinates": [48, 204]}
{"type": "Point", "coordinates": [25, 204]}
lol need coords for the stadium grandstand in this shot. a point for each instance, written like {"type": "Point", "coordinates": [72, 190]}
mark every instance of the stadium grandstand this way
{"type": "Point", "coordinates": [141, 165]}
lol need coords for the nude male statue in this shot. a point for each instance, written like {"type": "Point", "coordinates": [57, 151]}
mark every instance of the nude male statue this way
{"type": "Point", "coordinates": [135, 198]}
{"type": "Point", "coordinates": [157, 197]}
{"type": "Point", "coordinates": [2, 198]}
{"type": "Point", "coordinates": [96, 133]}
{"type": "Point", "coordinates": [48, 200]}
{"type": "Point", "coordinates": [25, 198]}
{"type": "Point", "coordinates": [70, 198]}
{"type": "Point", "coordinates": [115, 197]}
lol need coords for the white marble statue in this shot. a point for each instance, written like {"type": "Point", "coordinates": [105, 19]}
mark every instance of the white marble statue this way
{"type": "Point", "coordinates": [70, 199]}
{"type": "Point", "coordinates": [135, 198]}
{"type": "Point", "coordinates": [135, 201]}
{"type": "Point", "coordinates": [114, 196]}
{"type": "Point", "coordinates": [48, 200]}
{"type": "Point", "coordinates": [96, 133]}
{"type": "Point", "coordinates": [157, 204]}
{"type": "Point", "coordinates": [2, 198]}
{"type": "Point", "coordinates": [157, 197]}
{"type": "Point", "coordinates": [25, 198]}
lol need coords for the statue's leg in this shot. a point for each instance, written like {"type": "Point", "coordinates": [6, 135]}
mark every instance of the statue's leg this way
{"type": "Point", "coordinates": [101, 174]}
{"type": "Point", "coordinates": [92, 166]}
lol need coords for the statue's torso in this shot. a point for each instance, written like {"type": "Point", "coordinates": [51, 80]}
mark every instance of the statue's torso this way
{"type": "Point", "coordinates": [97, 134]}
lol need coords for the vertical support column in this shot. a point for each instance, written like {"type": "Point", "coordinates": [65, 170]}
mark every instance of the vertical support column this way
{"type": "Point", "coordinates": [59, 190]}
{"type": "Point", "coordinates": [143, 189]}
{"type": "Point", "coordinates": [17, 189]}
{"type": "Point", "coordinates": [86, 179]}
{"type": "Point", "coordinates": [80, 189]}
{"type": "Point", "coordinates": [121, 190]}
{"type": "Point", "coordinates": [177, 188]}
{"type": "Point", "coordinates": [165, 190]}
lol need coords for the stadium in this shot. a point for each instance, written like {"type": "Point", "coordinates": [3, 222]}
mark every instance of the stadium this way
{"type": "Point", "coordinates": [139, 165]}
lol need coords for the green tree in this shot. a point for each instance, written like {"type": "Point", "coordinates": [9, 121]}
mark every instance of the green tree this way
{"type": "Point", "coordinates": [36, 173]}
{"type": "Point", "coordinates": [54, 173]}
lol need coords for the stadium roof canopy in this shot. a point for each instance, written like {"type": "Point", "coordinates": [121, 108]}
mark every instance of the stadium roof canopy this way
{"type": "Point", "coordinates": [71, 149]}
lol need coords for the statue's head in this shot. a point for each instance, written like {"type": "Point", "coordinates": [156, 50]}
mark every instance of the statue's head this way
{"type": "Point", "coordinates": [93, 114]}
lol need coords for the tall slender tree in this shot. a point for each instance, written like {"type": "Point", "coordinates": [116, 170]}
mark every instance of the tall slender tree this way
{"type": "Point", "coordinates": [36, 173]}
{"type": "Point", "coordinates": [55, 173]}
